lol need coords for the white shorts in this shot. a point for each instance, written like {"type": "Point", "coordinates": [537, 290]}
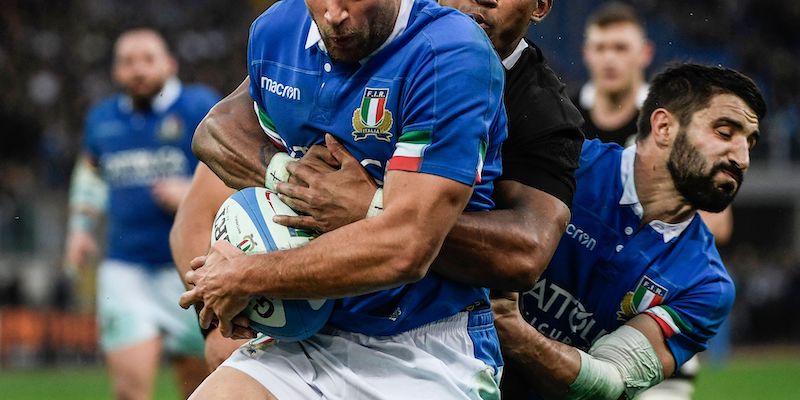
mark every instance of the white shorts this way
{"type": "Point", "coordinates": [454, 358]}
{"type": "Point", "coordinates": [135, 304]}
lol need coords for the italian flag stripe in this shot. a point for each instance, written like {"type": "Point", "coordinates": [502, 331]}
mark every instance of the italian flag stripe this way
{"type": "Point", "coordinates": [415, 137]}
{"type": "Point", "coordinates": [375, 108]}
{"type": "Point", "coordinates": [637, 297]}
{"type": "Point", "coordinates": [269, 127]}
{"type": "Point", "coordinates": [669, 321]}
{"type": "Point", "coordinates": [481, 158]}
{"type": "Point", "coordinates": [407, 156]}
{"type": "Point", "coordinates": [400, 163]}
{"type": "Point", "coordinates": [645, 300]}
{"type": "Point", "coordinates": [365, 109]}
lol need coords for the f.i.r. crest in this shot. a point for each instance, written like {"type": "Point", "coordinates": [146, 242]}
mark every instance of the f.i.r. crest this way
{"type": "Point", "coordinates": [247, 243]}
{"type": "Point", "coordinates": [372, 118]}
{"type": "Point", "coordinates": [171, 129]}
{"type": "Point", "coordinates": [646, 295]}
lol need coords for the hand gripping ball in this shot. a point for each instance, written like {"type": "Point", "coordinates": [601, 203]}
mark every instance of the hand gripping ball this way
{"type": "Point", "coordinates": [245, 220]}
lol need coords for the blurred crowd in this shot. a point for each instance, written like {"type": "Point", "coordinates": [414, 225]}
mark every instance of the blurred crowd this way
{"type": "Point", "coordinates": [55, 60]}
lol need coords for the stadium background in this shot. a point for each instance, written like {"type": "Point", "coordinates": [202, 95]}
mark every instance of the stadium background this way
{"type": "Point", "coordinates": [54, 63]}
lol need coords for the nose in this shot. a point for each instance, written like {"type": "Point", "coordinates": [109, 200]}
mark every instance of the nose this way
{"type": "Point", "coordinates": [740, 153]}
{"type": "Point", "coordinates": [335, 13]}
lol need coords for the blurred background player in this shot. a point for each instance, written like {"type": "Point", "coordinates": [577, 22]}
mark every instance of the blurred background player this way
{"type": "Point", "coordinates": [134, 170]}
{"type": "Point", "coordinates": [616, 53]}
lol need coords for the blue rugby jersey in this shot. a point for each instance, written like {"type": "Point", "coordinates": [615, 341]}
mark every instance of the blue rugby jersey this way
{"type": "Point", "coordinates": [607, 269]}
{"type": "Point", "coordinates": [133, 150]}
{"type": "Point", "coordinates": [429, 100]}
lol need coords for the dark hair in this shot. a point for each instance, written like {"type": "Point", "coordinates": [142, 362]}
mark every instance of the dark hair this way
{"type": "Point", "coordinates": [614, 12]}
{"type": "Point", "coordinates": [146, 29]}
{"type": "Point", "coordinates": [686, 88]}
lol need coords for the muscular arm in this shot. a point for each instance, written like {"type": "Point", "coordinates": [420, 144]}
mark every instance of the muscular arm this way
{"type": "Point", "coordinates": [391, 249]}
{"type": "Point", "coordinates": [507, 248]}
{"type": "Point", "coordinates": [231, 142]}
{"type": "Point", "coordinates": [191, 231]}
{"type": "Point", "coordinates": [549, 365]}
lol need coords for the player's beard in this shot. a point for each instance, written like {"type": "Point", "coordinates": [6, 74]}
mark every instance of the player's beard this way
{"type": "Point", "coordinates": [360, 42]}
{"type": "Point", "coordinates": [143, 98]}
{"type": "Point", "coordinates": [687, 167]}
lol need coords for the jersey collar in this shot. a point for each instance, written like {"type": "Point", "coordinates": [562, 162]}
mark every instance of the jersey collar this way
{"type": "Point", "coordinates": [400, 24]}
{"type": "Point", "coordinates": [510, 61]}
{"type": "Point", "coordinates": [589, 92]}
{"type": "Point", "coordinates": [631, 198]}
{"type": "Point", "coordinates": [162, 101]}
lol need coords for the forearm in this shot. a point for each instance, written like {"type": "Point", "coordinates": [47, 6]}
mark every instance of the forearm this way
{"type": "Point", "coordinates": [488, 249]}
{"type": "Point", "coordinates": [505, 249]}
{"type": "Point", "coordinates": [547, 365]}
{"type": "Point", "coordinates": [87, 196]}
{"type": "Point", "coordinates": [386, 251]}
{"type": "Point", "coordinates": [238, 157]}
{"type": "Point", "coordinates": [230, 141]}
{"type": "Point", "coordinates": [372, 260]}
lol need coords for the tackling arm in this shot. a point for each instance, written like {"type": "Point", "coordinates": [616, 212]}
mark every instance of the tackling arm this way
{"type": "Point", "coordinates": [231, 142]}
{"type": "Point", "coordinates": [625, 361]}
{"type": "Point", "coordinates": [506, 249]}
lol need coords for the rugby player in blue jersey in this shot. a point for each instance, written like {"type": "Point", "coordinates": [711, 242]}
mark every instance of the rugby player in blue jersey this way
{"type": "Point", "coordinates": [422, 109]}
{"type": "Point", "coordinates": [137, 156]}
{"type": "Point", "coordinates": [636, 286]}
{"type": "Point", "coordinates": [537, 182]}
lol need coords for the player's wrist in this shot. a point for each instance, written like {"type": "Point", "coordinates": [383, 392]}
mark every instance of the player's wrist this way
{"type": "Point", "coordinates": [81, 223]}
{"type": "Point", "coordinates": [276, 170]}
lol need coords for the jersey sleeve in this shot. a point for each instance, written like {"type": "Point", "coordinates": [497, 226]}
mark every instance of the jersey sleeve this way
{"type": "Point", "coordinates": [544, 136]}
{"type": "Point", "coordinates": [255, 42]}
{"type": "Point", "coordinates": [547, 162]}
{"type": "Point", "coordinates": [252, 68]}
{"type": "Point", "coordinates": [453, 112]}
{"type": "Point", "coordinates": [691, 320]}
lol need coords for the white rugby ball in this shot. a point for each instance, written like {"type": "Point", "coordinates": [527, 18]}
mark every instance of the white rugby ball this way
{"type": "Point", "coordinates": [245, 220]}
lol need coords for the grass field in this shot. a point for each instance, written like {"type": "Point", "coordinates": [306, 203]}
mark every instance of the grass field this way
{"type": "Point", "coordinates": [745, 377]}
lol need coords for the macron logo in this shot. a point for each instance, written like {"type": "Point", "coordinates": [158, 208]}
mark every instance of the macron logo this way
{"type": "Point", "coordinates": [286, 91]}
{"type": "Point", "coordinates": [582, 237]}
